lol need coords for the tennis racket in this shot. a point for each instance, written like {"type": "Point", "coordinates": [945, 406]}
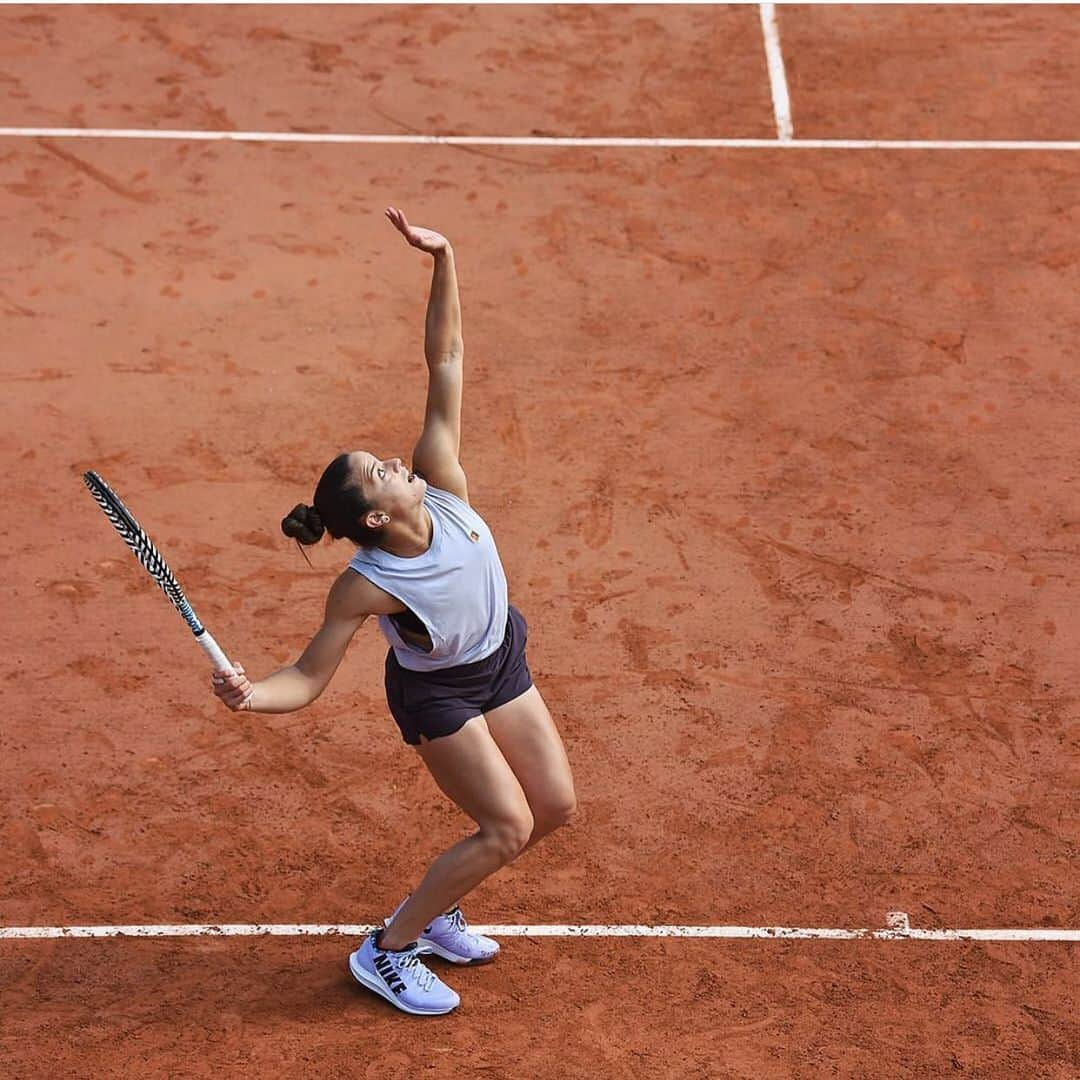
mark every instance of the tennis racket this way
{"type": "Point", "coordinates": [133, 534]}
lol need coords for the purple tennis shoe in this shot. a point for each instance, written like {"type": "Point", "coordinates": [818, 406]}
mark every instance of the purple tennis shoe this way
{"type": "Point", "coordinates": [450, 938]}
{"type": "Point", "coordinates": [401, 978]}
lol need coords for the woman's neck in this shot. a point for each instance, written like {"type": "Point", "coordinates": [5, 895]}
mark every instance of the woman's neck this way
{"type": "Point", "coordinates": [411, 538]}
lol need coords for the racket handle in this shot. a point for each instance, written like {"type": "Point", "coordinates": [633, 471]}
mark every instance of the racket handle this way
{"type": "Point", "coordinates": [213, 650]}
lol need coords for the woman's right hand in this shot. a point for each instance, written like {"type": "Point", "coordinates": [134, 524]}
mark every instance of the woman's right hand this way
{"type": "Point", "coordinates": [234, 690]}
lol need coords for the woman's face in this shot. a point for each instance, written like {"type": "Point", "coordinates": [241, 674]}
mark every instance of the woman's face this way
{"type": "Point", "coordinates": [387, 484]}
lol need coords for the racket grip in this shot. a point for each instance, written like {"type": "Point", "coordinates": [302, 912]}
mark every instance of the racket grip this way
{"type": "Point", "coordinates": [213, 650]}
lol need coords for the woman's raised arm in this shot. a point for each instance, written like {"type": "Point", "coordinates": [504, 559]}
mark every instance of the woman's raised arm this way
{"type": "Point", "coordinates": [436, 454]}
{"type": "Point", "coordinates": [442, 326]}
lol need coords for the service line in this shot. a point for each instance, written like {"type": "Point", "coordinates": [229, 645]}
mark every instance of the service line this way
{"type": "Point", "coordinates": [360, 930]}
{"type": "Point", "coordinates": [774, 58]}
{"type": "Point", "coordinates": [596, 143]}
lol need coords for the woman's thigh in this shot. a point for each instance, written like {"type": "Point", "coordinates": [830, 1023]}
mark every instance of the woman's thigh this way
{"type": "Point", "coordinates": [471, 770]}
{"type": "Point", "coordinates": [529, 741]}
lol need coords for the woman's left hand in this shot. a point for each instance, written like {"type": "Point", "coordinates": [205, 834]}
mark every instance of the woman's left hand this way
{"type": "Point", "coordinates": [425, 239]}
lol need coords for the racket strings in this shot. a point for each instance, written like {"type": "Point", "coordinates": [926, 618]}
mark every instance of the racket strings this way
{"type": "Point", "coordinates": [142, 547]}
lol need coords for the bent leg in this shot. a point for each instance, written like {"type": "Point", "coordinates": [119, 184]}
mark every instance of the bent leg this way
{"type": "Point", "coordinates": [525, 733]}
{"type": "Point", "coordinates": [470, 769]}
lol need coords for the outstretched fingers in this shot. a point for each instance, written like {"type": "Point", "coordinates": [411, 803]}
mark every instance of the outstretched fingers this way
{"type": "Point", "coordinates": [397, 219]}
{"type": "Point", "coordinates": [425, 239]}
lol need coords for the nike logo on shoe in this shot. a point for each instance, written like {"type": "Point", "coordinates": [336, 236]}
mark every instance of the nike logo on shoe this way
{"type": "Point", "coordinates": [386, 969]}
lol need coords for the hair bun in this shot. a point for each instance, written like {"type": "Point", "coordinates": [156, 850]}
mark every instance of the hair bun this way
{"type": "Point", "coordinates": [304, 524]}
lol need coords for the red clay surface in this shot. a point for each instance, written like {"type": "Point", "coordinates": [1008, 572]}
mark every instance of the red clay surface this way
{"type": "Point", "coordinates": [465, 70]}
{"type": "Point", "coordinates": [778, 449]}
{"type": "Point", "coordinates": [577, 1009]}
{"type": "Point", "coordinates": [907, 71]}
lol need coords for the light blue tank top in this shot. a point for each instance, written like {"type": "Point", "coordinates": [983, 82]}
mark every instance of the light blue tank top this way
{"type": "Point", "coordinates": [457, 587]}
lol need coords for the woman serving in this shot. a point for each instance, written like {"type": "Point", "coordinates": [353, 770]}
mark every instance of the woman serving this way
{"type": "Point", "coordinates": [457, 680]}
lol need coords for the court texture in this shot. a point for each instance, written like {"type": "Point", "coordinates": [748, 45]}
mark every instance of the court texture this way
{"type": "Point", "coordinates": [771, 330]}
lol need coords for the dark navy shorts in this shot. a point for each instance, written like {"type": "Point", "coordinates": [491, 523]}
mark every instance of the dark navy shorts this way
{"type": "Point", "coordinates": [437, 703]}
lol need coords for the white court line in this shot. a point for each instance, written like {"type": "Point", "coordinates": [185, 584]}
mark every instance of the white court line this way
{"type": "Point", "coordinates": [777, 78]}
{"type": "Point", "coordinates": [900, 933]}
{"type": "Point", "coordinates": [540, 140]}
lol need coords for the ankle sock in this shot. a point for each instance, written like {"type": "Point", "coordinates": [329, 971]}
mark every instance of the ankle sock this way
{"type": "Point", "coordinates": [378, 944]}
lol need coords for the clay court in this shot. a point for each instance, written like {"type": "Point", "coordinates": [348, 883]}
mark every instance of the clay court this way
{"type": "Point", "coordinates": [779, 445]}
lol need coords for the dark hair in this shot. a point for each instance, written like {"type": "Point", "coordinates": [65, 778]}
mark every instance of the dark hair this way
{"type": "Point", "coordinates": [339, 509]}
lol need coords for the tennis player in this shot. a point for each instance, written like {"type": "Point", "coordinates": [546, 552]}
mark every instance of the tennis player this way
{"type": "Point", "coordinates": [457, 680]}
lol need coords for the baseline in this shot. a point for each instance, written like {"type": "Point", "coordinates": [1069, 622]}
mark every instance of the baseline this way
{"type": "Point", "coordinates": [540, 140]}
{"type": "Point", "coordinates": [898, 930]}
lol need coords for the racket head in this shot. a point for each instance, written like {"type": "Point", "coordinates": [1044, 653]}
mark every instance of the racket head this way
{"type": "Point", "coordinates": [136, 538]}
{"type": "Point", "coordinates": [112, 504]}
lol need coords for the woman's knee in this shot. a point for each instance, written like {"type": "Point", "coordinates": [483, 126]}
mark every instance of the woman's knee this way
{"type": "Point", "coordinates": [509, 835]}
{"type": "Point", "coordinates": [555, 813]}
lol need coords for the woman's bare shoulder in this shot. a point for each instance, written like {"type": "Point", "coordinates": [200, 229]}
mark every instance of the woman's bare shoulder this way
{"type": "Point", "coordinates": [356, 593]}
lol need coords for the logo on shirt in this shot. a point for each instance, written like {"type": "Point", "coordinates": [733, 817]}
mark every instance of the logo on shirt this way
{"type": "Point", "coordinates": [474, 536]}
